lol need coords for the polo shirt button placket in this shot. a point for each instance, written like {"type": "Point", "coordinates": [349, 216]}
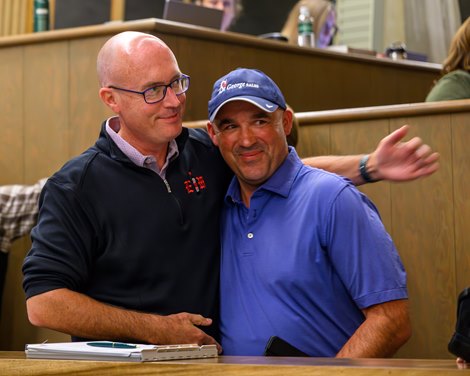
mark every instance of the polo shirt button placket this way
{"type": "Point", "coordinates": [250, 235]}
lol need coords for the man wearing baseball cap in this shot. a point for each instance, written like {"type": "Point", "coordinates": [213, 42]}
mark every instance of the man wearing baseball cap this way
{"type": "Point", "coordinates": [305, 256]}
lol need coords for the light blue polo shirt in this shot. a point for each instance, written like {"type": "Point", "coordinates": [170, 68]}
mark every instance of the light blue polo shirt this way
{"type": "Point", "coordinates": [302, 261]}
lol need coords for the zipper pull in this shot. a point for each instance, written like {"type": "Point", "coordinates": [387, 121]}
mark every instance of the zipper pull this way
{"type": "Point", "coordinates": [168, 188]}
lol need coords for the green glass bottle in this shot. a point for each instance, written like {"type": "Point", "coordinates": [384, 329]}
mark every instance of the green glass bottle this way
{"type": "Point", "coordinates": [41, 15]}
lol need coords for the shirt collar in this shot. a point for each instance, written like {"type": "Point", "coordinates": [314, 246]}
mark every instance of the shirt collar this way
{"type": "Point", "coordinates": [148, 161]}
{"type": "Point", "coordinates": [279, 183]}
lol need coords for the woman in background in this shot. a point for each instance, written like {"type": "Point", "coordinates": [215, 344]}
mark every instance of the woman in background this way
{"type": "Point", "coordinates": [454, 82]}
{"type": "Point", "coordinates": [231, 8]}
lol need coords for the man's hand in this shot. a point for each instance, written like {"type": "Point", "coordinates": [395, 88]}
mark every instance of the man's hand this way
{"type": "Point", "coordinates": [79, 315]}
{"type": "Point", "coordinates": [183, 328]}
{"type": "Point", "coordinates": [398, 161]}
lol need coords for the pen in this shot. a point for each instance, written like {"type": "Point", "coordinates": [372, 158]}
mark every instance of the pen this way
{"type": "Point", "coordinates": [116, 345]}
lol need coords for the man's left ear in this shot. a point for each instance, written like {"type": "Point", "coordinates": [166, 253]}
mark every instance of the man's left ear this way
{"type": "Point", "coordinates": [287, 121]}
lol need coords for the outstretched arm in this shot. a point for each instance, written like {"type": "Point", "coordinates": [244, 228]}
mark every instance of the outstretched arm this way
{"type": "Point", "coordinates": [385, 329]}
{"type": "Point", "coordinates": [81, 316]}
{"type": "Point", "coordinates": [392, 160]}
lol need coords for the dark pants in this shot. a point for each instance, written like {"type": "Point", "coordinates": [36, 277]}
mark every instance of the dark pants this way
{"type": "Point", "coordinates": [3, 273]}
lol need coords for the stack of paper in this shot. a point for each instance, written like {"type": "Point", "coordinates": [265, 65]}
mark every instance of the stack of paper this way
{"type": "Point", "coordinates": [99, 350]}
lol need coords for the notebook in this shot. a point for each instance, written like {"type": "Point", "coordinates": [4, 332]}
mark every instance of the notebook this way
{"type": "Point", "coordinates": [178, 11]}
{"type": "Point", "coordinates": [104, 350]}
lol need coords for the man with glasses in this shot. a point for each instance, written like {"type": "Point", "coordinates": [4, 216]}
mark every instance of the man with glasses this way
{"type": "Point", "coordinates": [127, 246]}
{"type": "Point", "coordinates": [127, 242]}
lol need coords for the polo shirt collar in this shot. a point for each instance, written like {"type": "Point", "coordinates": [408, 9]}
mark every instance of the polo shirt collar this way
{"type": "Point", "coordinates": [279, 183]}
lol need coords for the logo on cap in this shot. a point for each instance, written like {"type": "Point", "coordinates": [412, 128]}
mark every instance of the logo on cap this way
{"type": "Point", "coordinates": [223, 86]}
{"type": "Point", "coordinates": [248, 85]}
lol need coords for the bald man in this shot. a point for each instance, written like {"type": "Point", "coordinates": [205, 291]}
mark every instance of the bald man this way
{"type": "Point", "coordinates": [127, 245]}
{"type": "Point", "coordinates": [127, 242]}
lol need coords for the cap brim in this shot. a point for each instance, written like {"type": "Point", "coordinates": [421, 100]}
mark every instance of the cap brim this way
{"type": "Point", "coordinates": [261, 103]}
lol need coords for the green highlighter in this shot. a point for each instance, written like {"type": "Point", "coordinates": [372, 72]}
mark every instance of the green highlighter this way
{"type": "Point", "coordinates": [116, 345]}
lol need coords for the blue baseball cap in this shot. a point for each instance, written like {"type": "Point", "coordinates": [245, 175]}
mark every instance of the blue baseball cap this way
{"type": "Point", "coordinates": [249, 85]}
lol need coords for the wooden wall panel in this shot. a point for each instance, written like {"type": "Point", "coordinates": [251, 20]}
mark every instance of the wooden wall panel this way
{"type": "Point", "coordinates": [461, 179]}
{"type": "Point", "coordinates": [42, 144]}
{"type": "Point", "coordinates": [314, 141]}
{"type": "Point", "coordinates": [320, 80]}
{"type": "Point", "coordinates": [46, 98]}
{"type": "Point", "coordinates": [422, 228]}
{"type": "Point", "coordinates": [11, 116]}
{"type": "Point", "coordinates": [84, 125]}
{"type": "Point", "coordinates": [301, 90]}
{"type": "Point", "coordinates": [359, 138]}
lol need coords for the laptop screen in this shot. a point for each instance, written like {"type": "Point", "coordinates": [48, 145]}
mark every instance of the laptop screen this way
{"type": "Point", "coordinates": [178, 11]}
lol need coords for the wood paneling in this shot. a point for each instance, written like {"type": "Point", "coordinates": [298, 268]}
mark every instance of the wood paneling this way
{"type": "Point", "coordinates": [14, 363]}
{"type": "Point", "coordinates": [361, 137]}
{"type": "Point", "coordinates": [461, 197]}
{"type": "Point", "coordinates": [312, 79]}
{"type": "Point", "coordinates": [423, 230]}
{"type": "Point", "coordinates": [315, 141]}
{"type": "Point", "coordinates": [46, 109]}
{"type": "Point", "coordinates": [11, 117]}
{"type": "Point", "coordinates": [84, 101]}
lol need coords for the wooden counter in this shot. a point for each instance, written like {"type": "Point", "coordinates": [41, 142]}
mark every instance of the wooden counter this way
{"type": "Point", "coordinates": [14, 363]}
{"type": "Point", "coordinates": [50, 110]}
{"type": "Point", "coordinates": [60, 66]}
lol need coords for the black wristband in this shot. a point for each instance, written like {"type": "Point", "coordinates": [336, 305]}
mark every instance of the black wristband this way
{"type": "Point", "coordinates": [363, 169]}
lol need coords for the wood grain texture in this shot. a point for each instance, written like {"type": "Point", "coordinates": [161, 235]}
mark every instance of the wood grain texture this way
{"type": "Point", "coordinates": [321, 79]}
{"type": "Point", "coordinates": [14, 364]}
{"type": "Point", "coordinates": [461, 196]}
{"type": "Point", "coordinates": [423, 230]}
{"type": "Point", "coordinates": [12, 156]}
{"type": "Point", "coordinates": [46, 108]}
{"type": "Point", "coordinates": [86, 111]}
{"type": "Point", "coordinates": [358, 138]}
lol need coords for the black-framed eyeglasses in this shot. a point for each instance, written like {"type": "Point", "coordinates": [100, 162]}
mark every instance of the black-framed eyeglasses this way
{"type": "Point", "coordinates": [157, 93]}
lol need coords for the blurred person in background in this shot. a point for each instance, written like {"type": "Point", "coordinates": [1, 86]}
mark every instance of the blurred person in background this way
{"type": "Point", "coordinates": [231, 8]}
{"type": "Point", "coordinates": [454, 82]}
